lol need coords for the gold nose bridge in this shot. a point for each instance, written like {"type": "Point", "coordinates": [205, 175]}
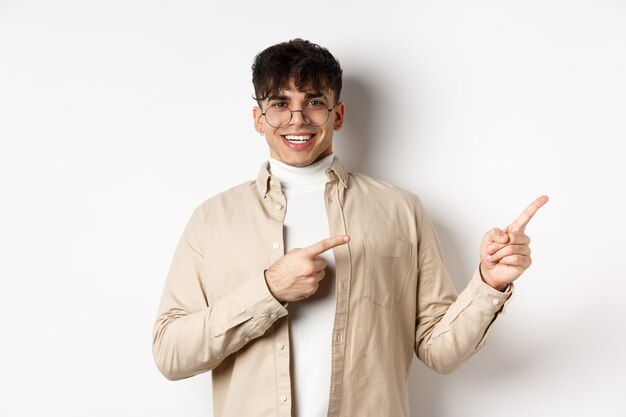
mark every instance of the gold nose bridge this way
{"type": "Point", "coordinates": [301, 114]}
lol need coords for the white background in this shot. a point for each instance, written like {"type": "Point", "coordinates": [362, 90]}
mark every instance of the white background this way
{"type": "Point", "coordinates": [118, 117]}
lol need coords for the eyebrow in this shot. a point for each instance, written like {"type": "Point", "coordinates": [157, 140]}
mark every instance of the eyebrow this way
{"type": "Point", "coordinates": [314, 95]}
{"type": "Point", "coordinates": [306, 96]}
{"type": "Point", "coordinates": [277, 97]}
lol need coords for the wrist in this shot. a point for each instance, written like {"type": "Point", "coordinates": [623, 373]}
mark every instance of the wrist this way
{"type": "Point", "coordinates": [269, 283]}
{"type": "Point", "coordinates": [486, 279]}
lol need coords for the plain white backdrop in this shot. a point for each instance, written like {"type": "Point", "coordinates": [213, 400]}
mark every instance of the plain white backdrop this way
{"type": "Point", "coordinates": [118, 117]}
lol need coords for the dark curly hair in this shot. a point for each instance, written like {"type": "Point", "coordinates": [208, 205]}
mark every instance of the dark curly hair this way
{"type": "Point", "coordinates": [308, 64]}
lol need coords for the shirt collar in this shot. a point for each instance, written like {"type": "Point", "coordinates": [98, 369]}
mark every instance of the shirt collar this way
{"type": "Point", "coordinates": [336, 170]}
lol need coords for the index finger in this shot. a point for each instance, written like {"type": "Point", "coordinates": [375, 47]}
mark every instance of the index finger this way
{"type": "Point", "coordinates": [326, 244]}
{"type": "Point", "coordinates": [520, 223]}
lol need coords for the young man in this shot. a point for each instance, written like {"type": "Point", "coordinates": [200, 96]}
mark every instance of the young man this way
{"type": "Point", "coordinates": [288, 326]}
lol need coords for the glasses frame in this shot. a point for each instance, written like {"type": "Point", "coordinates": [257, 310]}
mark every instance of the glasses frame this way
{"type": "Point", "coordinates": [291, 117]}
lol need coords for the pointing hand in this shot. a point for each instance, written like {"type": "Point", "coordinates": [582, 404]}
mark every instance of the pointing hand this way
{"type": "Point", "coordinates": [505, 254]}
{"type": "Point", "coordinates": [296, 275]}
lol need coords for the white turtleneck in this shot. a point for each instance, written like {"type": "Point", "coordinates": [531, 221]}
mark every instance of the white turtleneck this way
{"type": "Point", "coordinates": [310, 320]}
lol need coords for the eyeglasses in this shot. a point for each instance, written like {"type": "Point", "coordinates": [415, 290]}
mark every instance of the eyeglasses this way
{"type": "Point", "coordinates": [314, 114]}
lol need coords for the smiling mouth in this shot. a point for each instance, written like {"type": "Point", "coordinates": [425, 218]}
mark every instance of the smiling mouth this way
{"type": "Point", "coordinates": [298, 138]}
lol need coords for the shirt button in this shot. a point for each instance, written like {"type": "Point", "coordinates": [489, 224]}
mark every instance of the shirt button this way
{"type": "Point", "coordinates": [283, 398]}
{"type": "Point", "coordinates": [495, 302]}
{"type": "Point", "coordinates": [247, 339]}
{"type": "Point", "coordinates": [276, 245]}
{"type": "Point", "coordinates": [272, 316]}
{"type": "Point", "coordinates": [279, 207]}
{"type": "Point", "coordinates": [281, 346]}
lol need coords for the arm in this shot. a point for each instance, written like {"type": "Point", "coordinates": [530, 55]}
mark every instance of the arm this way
{"type": "Point", "coordinates": [449, 328]}
{"type": "Point", "coordinates": [190, 336]}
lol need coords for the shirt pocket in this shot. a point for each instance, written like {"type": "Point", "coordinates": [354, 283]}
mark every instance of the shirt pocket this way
{"type": "Point", "coordinates": [387, 264]}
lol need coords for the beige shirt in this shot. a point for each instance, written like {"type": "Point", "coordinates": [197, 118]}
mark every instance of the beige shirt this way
{"type": "Point", "coordinates": [394, 297]}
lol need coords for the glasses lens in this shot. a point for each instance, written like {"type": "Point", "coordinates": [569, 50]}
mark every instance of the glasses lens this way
{"type": "Point", "coordinates": [278, 116]}
{"type": "Point", "coordinates": [315, 114]}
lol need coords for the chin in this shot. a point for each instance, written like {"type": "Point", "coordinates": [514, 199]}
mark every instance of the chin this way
{"type": "Point", "coordinates": [297, 160]}
{"type": "Point", "coordinates": [299, 163]}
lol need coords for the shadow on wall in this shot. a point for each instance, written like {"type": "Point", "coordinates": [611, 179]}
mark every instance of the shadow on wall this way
{"type": "Point", "coordinates": [368, 116]}
{"type": "Point", "coordinates": [354, 142]}
{"type": "Point", "coordinates": [374, 134]}
{"type": "Point", "coordinates": [360, 146]}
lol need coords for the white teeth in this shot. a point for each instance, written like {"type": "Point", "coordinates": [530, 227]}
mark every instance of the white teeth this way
{"type": "Point", "coordinates": [294, 138]}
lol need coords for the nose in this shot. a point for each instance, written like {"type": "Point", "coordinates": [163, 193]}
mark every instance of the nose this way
{"type": "Point", "coordinates": [297, 117]}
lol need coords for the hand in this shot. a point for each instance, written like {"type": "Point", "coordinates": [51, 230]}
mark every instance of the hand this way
{"type": "Point", "coordinates": [296, 275]}
{"type": "Point", "coordinates": [505, 254]}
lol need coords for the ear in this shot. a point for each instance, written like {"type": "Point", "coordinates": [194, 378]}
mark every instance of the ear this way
{"type": "Point", "coordinates": [338, 111]}
{"type": "Point", "coordinates": [257, 118]}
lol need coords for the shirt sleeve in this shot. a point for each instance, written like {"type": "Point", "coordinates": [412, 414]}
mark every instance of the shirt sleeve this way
{"type": "Point", "coordinates": [450, 328]}
{"type": "Point", "coordinates": [190, 336]}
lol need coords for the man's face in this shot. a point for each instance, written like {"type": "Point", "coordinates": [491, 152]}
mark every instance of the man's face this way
{"type": "Point", "coordinates": [298, 143]}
